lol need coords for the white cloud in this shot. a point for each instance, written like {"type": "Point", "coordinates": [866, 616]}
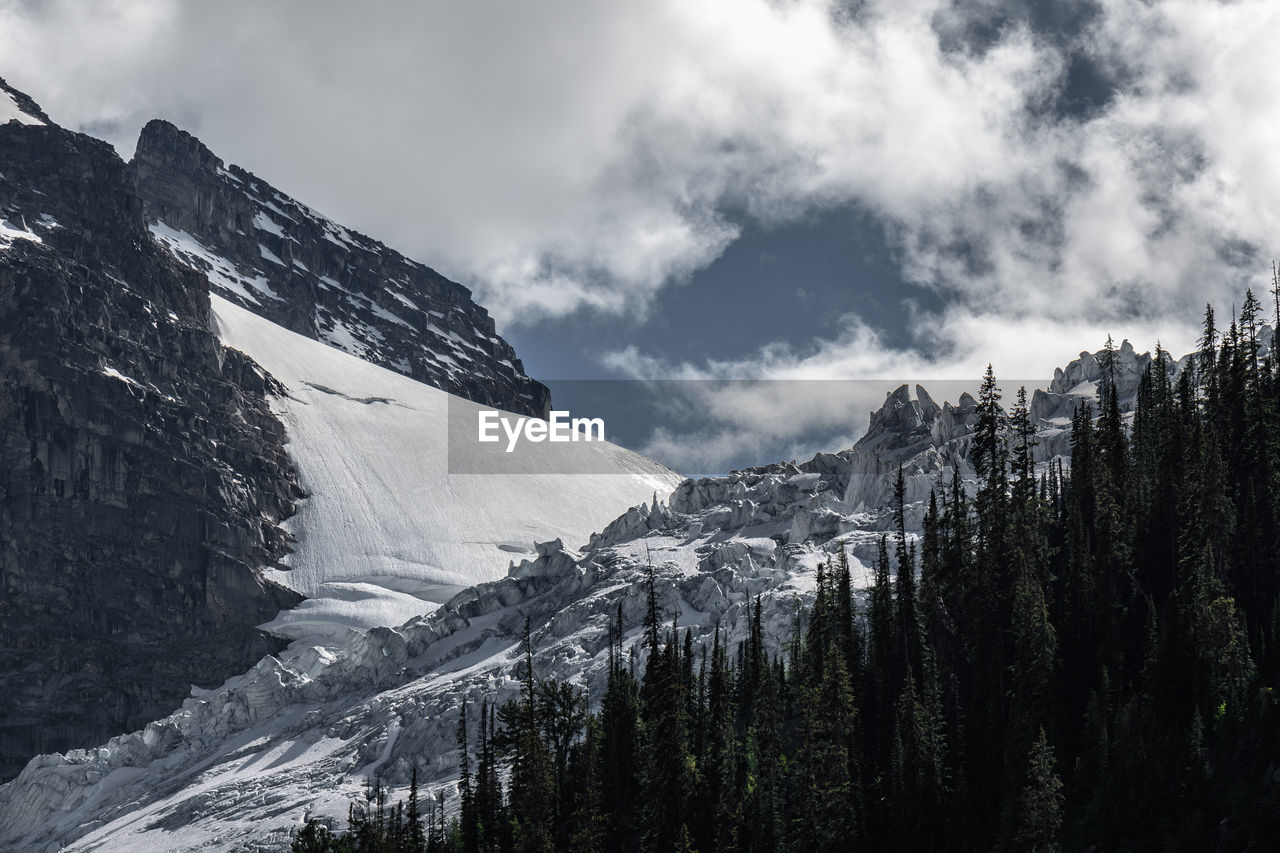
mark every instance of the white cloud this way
{"type": "Point", "coordinates": [563, 156]}
{"type": "Point", "coordinates": [956, 344]}
{"type": "Point", "coordinates": [560, 156]}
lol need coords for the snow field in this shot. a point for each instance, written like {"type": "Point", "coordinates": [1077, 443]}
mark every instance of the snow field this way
{"type": "Point", "coordinates": [386, 533]}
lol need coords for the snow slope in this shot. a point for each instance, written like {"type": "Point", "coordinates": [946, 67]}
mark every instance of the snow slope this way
{"type": "Point", "coordinates": [387, 532]}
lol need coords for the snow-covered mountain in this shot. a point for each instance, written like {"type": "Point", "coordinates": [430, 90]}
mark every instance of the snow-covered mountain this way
{"type": "Point", "coordinates": [274, 255]}
{"type": "Point", "coordinates": [162, 496]}
{"type": "Point", "coordinates": [302, 735]}
{"type": "Point", "coordinates": [278, 453]}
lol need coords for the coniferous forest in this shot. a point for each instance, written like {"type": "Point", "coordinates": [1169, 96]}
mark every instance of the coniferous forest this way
{"type": "Point", "coordinates": [1077, 656]}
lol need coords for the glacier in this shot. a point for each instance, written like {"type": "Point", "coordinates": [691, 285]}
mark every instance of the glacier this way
{"type": "Point", "coordinates": [386, 532]}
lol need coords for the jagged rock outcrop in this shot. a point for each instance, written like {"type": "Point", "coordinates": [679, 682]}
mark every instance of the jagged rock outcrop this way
{"type": "Point", "coordinates": [142, 473]}
{"type": "Point", "coordinates": [279, 258]}
{"type": "Point", "coordinates": [918, 435]}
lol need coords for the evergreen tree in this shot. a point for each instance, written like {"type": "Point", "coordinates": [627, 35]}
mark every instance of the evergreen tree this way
{"type": "Point", "coordinates": [620, 751]}
{"type": "Point", "coordinates": [908, 627]}
{"type": "Point", "coordinates": [1039, 820]}
{"type": "Point", "coordinates": [313, 837]}
{"type": "Point", "coordinates": [415, 838]}
{"type": "Point", "coordinates": [831, 802]}
{"type": "Point", "coordinates": [468, 818]}
{"type": "Point", "coordinates": [531, 785]}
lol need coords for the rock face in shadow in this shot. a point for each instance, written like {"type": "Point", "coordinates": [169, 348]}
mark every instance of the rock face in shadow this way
{"type": "Point", "coordinates": [142, 473]}
{"type": "Point", "coordinates": [284, 261]}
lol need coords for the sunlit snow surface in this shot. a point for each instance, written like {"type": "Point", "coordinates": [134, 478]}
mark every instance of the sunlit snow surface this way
{"type": "Point", "coordinates": [9, 231]}
{"type": "Point", "coordinates": [10, 111]}
{"type": "Point", "coordinates": [386, 532]}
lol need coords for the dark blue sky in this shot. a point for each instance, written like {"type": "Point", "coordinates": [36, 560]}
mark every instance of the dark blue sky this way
{"type": "Point", "coordinates": [791, 283]}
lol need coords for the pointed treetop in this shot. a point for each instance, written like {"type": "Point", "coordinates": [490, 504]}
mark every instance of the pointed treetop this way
{"type": "Point", "coordinates": [1275, 289]}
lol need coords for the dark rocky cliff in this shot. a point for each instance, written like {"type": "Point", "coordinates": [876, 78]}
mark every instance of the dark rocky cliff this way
{"type": "Point", "coordinates": [141, 471]}
{"type": "Point", "coordinates": [282, 260]}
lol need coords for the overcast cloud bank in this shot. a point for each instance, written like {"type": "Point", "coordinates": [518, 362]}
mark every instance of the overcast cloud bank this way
{"type": "Point", "coordinates": [562, 158]}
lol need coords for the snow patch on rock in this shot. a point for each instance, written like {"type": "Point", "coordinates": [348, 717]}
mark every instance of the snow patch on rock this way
{"type": "Point", "coordinates": [10, 111]}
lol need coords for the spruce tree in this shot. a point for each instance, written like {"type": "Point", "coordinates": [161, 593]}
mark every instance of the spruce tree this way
{"type": "Point", "coordinates": [466, 795]}
{"type": "Point", "coordinates": [1039, 820]}
{"type": "Point", "coordinates": [908, 628]}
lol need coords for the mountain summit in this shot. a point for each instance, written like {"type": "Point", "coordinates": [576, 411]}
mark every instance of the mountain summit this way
{"type": "Point", "coordinates": [282, 260]}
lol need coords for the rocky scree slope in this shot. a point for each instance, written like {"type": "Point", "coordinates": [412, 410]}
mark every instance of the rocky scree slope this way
{"type": "Point", "coordinates": [302, 736]}
{"type": "Point", "coordinates": [282, 260]}
{"type": "Point", "coordinates": [142, 473]}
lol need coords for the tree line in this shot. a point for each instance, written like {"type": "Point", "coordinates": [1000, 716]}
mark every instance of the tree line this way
{"type": "Point", "coordinates": [1076, 656]}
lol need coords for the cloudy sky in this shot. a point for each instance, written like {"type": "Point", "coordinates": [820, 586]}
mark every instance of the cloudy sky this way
{"type": "Point", "coordinates": [780, 188]}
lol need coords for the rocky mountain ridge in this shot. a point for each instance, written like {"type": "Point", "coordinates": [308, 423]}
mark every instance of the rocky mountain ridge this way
{"type": "Point", "coordinates": [267, 252]}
